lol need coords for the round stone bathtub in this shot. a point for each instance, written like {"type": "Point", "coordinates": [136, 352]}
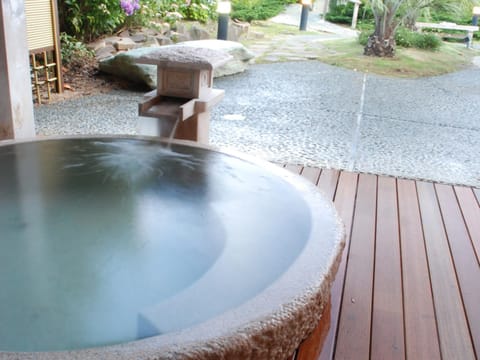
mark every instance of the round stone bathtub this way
{"type": "Point", "coordinates": [126, 248]}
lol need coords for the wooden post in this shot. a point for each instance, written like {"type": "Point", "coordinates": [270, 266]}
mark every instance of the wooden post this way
{"type": "Point", "coordinates": [16, 105]}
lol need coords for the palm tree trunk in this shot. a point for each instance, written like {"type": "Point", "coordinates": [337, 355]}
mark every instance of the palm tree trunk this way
{"type": "Point", "coordinates": [381, 47]}
{"type": "Point", "coordinates": [382, 42]}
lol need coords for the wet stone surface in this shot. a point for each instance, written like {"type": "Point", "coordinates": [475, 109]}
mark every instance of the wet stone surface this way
{"type": "Point", "coordinates": [312, 114]}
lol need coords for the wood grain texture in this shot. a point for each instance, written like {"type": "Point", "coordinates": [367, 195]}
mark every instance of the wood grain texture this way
{"type": "Point", "coordinates": [328, 182]}
{"type": "Point", "coordinates": [421, 340]}
{"type": "Point", "coordinates": [465, 261]}
{"type": "Point", "coordinates": [427, 231]}
{"type": "Point", "coordinates": [452, 325]}
{"type": "Point", "coordinates": [387, 316]}
{"type": "Point", "coordinates": [353, 338]}
{"type": "Point", "coordinates": [471, 213]}
{"type": "Point", "coordinates": [345, 204]}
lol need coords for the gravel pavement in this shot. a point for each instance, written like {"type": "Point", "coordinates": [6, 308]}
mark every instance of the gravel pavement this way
{"type": "Point", "coordinates": [315, 114]}
{"type": "Point", "coordinates": [309, 113]}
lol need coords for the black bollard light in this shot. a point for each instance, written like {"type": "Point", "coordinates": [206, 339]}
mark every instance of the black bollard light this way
{"type": "Point", "coordinates": [223, 10]}
{"type": "Point", "coordinates": [304, 16]}
{"type": "Point", "coordinates": [476, 14]}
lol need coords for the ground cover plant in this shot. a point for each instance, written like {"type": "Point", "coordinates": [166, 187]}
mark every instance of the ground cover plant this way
{"type": "Point", "coordinates": [407, 63]}
{"type": "Point", "coordinates": [407, 38]}
{"type": "Point", "coordinates": [249, 10]}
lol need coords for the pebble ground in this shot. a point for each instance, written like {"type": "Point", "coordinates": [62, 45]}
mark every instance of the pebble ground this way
{"type": "Point", "coordinates": [306, 112]}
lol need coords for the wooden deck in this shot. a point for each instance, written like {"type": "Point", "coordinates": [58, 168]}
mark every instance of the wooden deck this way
{"type": "Point", "coordinates": [408, 286]}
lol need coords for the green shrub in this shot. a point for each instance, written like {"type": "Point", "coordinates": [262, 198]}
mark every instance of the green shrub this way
{"type": "Point", "coordinates": [363, 37]}
{"type": "Point", "coordinates": [407, 38]}
{"type": "Point", "coordinates": [199, 10]}
{"type": "Point", "coordinates": [340, 14]}
{"type": "Point", "coordinates": [88, 19]}
{"type": "Point", "coordinates": [427, 42]}
{"type": "Point", "coordinates": [72, 50]}
{"type": "Point", "coordinates": [343, 14]}
{"type": "Point", "coordinates": [439, 16]}
{"type": "Point", "coordinates": [148, 11]}
{"type": "Point", "coordinates": [249, 10]}
{"type": "Point", "coordinates": [173, 10]}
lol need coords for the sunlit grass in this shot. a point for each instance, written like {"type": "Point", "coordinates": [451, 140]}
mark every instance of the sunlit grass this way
{"type": "Point", "coordinates": [407, 62]}
{"type": "Point", "coordinates": [348, 53]}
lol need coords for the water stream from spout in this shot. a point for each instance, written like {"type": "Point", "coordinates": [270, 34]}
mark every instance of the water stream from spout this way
{"type": "Point", "coordinates": [172, 133]}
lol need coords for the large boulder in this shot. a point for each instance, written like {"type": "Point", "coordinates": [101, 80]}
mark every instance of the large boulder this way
{"type": "Point", "coordinates": [125, 64]}
{"type": "Point", "coordinates": [241, 56]}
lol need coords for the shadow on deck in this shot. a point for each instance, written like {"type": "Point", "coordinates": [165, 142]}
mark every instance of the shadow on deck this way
{"type": "Point", "coordinates": [409, 282]}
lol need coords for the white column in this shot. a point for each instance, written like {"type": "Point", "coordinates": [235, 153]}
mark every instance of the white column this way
{"type": "Point", "coordinates": [326, 3]}
{"type": "Point", "coordinates": [16, 105]}
{"type": "Point", "coordinates": [355, 12]}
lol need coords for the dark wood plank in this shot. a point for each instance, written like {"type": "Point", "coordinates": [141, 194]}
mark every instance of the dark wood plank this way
{"type": "Point", "coordinates": [471, 213]}
{"type": "Point", "coordinates": [465, 261]}
{"type": "Point", "coordinates": [344, 203]}
{"type": "Point", "coordinates": [353, 339]}
{"type": "Point", "coordinates": [421, 338]}
{"type": "Point", "coordinates": [328, 182]}
{"type": "Point", "coordinates": [451, 322]}
{"type": "Point", "coordinates": [311, 347]}
{"type": "Point", "coordinates": [311, 174]}
{"type": "Point", "coordinates": [387, 317]}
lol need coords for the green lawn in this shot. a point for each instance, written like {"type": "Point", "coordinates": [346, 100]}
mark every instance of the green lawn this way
{"type": "Point", "coordinates": [408, 62]}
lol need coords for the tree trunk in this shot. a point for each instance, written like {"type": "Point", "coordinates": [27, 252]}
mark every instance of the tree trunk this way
{"type": "Point", "coordinates": [378, 47]}
{"type": "Point", "coordinates": [382, 42]}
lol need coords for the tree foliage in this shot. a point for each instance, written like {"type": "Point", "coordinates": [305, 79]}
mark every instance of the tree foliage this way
{"type": "Point", "coordinates": [390, 14]}
{"type": "Point", "coordinates": [249, 10]}
{"type": "Point", "coordinates": [426, 8]}
{"type": "Point", "coordinates": [88, 19]}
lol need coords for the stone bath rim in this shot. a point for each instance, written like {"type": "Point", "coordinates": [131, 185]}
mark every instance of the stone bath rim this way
{"type": "Point", "coordinates": [299, 294]}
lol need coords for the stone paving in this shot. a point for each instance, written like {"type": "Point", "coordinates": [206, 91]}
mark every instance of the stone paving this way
{"type": "Point", "coordinates": [314, 114]}
{"type": "Point", "coordinates": [288, 47]}
{"type": "Point", "coordinates": [310, 113]}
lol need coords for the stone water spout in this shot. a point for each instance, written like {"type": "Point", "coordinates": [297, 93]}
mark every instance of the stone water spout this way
{"type": "Point", "coordinates": [180, 106]}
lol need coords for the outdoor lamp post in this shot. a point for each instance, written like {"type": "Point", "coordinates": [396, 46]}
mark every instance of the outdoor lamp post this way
{"type": "Point", "coordinates": [476, 13]}
{"type": "Point", "coordinates": [223, 10]}
{"type": "Point", "coordinates": [304, 16]}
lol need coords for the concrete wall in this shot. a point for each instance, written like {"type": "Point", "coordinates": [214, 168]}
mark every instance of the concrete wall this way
{"type": "Point", "coordinates": [16, 105]}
